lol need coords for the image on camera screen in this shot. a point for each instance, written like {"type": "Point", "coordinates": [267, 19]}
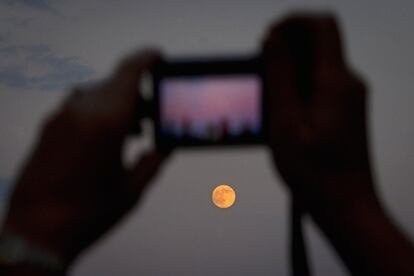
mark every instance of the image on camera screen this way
{"type": "Point", "coordinates": [223, 108]}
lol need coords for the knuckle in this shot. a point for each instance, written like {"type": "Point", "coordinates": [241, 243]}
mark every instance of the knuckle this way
{"type": "Point", "coordinates": [86, 114]}
{"type": "Point", "coordinates": [50, 123]}
{"type": "Point", "coordinates": [85, 127]}
{"type": "Point", "coordinates": [124, 65]}
{"type": "Point", "coordinates": [82, 122]}
{"type": "Point", "coordinates": [55, 123]}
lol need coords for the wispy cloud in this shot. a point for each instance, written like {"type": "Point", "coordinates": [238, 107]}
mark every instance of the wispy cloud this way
{"type": "Point", "coordinates": [36, 67]}
{"type": "Point", "coordinates": [36, 4]}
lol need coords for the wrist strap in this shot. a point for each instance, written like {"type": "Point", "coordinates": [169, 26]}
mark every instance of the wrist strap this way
{"type": "Point", "coordinates": [298, 257]}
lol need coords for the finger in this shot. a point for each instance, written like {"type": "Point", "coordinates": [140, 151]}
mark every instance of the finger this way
{"type": "Point", "coordinates": [316, 52]}
{"type": "Point", "coordinates": [285, 104]}
{"type": "Point", "coordinates": [130, 72]}
{"type": "Point", "coordinates": [279, 76]}
{"type": "Point", "coordinates": [329, 71]}
{"type": "Point", "coordinates": [297, 35]}
{"type": "Point", "coordinates": [142, 172]}
{"type": "Point", "coordinates": [319, 32]}
{"type": "Point", "coordinates": [328, 44]}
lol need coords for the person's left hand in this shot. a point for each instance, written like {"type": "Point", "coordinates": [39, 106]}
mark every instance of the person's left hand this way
{"type": "Point", "coordinates": [74, 187]}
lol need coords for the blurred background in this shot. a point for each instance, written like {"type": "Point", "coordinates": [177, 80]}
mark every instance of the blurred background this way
{"type": "Point", "coordinates": [48, 45]}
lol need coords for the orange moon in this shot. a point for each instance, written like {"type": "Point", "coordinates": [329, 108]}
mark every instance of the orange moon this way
{"type": "Point", "coordinates": [223, 196]}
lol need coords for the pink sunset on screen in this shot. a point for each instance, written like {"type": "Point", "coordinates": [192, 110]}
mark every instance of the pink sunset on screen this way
{"type": "Point", "coordinates": [206, 102]}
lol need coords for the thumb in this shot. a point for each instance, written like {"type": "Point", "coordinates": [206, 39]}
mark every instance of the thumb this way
{"type": "Point", "coordinates": [142, 172]}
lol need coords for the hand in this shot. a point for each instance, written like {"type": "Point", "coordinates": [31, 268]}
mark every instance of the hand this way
{"type": "Point", "coordinates": [318, 130]}
{"type": "Point", "coordinates": [318, 138]}
{"type": "Point", "coordinates": [75, 187]}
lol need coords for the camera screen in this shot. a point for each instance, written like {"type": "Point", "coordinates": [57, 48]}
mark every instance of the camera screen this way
{"type": "Point", "coordinates": [208, 108]}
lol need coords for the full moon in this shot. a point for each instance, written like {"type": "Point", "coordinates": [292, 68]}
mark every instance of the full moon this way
{"type": "Point", "coordinates": [223, 196]}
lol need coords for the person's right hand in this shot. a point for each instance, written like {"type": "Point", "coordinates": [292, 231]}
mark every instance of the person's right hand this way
{"type": "Point", "coordinates": [317, 111]}
{"type": "Point", "coordinates": [318, 137]}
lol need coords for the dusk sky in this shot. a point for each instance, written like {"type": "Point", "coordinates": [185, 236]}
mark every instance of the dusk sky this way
{"type": "Point", "coordinates": [211, 101]}
{"type": "Point", "coordinates": [46, 46]}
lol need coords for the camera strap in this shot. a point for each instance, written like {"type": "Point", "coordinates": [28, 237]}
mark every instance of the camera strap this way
{"type": "Point", "coordinates": [298, 257]}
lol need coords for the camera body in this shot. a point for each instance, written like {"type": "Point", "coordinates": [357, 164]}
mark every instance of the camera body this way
{"type": "Point", "coordinates": [209, 102]}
